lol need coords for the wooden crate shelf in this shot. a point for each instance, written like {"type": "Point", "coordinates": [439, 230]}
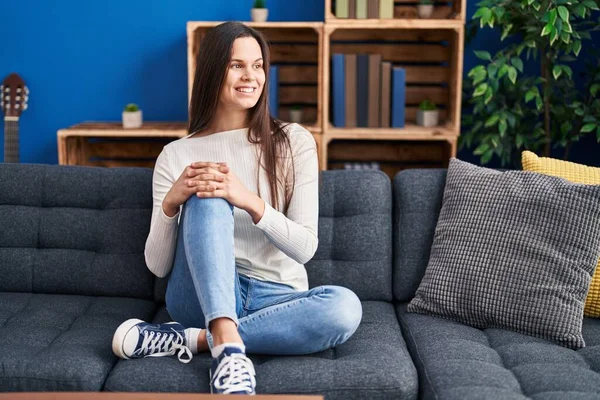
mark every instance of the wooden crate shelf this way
{"type": "Point", "coordinates": [108, 144]}
{"type": "Point", "coordinates": [296, 49]}
{"type": "Point", "coordinates": [405, 10]}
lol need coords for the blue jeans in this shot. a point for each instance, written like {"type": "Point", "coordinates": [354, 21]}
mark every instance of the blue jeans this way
{"type": "Point", "coordinates": [272, 318]}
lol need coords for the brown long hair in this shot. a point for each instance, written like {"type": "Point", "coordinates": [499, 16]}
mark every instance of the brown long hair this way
{"type": "Point", "coordinates": [269, 133]}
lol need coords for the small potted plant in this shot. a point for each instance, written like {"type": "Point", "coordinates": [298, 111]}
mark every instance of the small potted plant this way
{"type": "Point", "coordinates": [427, 114]}
{"type": "Point", "coordinates": [296, 114]}
{"type": "Point", "coordinates": [425, 8]}
{"type": "Point", "coordinates": [259, 12]}
{"type": "Point", "coordinates": [132, 116]}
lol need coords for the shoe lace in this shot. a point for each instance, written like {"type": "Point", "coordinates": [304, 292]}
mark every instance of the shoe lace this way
{"type": "Point", "coordinates": [235, 374]}
{"type": "Point", "coordinates": [159, 344]}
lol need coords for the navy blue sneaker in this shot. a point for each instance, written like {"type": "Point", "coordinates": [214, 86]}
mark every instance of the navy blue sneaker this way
{"type": "Point", "coordinates": [135, 338]}
{"type": "Point", "coordinates": [232, 373]}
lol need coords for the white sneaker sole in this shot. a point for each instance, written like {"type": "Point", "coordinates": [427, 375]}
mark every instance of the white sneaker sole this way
{"type": "Point", "coordinates": [119, 337]}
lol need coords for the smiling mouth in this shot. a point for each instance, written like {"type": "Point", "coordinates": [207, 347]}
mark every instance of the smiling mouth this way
{"type": "Point", "coordinates": [246, 89]}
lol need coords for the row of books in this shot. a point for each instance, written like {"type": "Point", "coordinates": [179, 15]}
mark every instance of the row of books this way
{"type": "Point", "coordinates": [361, 9]}
{"type": "Point", "coordinates": [274, 90]}
{"type": "Point", "coordinates": [367, 92]}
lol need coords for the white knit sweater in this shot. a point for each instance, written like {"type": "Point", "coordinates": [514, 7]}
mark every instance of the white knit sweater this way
{"type": "Point", "coordinates": [276, 248]}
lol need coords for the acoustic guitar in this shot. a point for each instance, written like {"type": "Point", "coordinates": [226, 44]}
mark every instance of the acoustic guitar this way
{"type": "Point", "coordinates": [13, 102]}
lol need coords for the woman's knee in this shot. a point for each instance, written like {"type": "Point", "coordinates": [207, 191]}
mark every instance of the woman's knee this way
{"type": "Point", "coordinates": [345, 311]}
{"type": "Point", "coordinates": [208, 206]}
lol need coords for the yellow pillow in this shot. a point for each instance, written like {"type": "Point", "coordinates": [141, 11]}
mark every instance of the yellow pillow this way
{"type": "Point", "coordinates": [576, 173]}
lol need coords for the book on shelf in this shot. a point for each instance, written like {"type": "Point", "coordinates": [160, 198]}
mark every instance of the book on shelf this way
{"type": "Point", "coordinates": [386, 85]}
{"type": "Point", "coordinates": [341, 8]}
{"type": "Point", "coordinates": [361, 9]}
{"type": "Point", "coordinates": [374, 91]}
{"type": "Point", "coordinates": [274, 90]}
{"type": "Point", "coordinates": [386, 9]}
{"type": "Point", "coordinates": [362, 90]}
{"type": "Point", "coordinates": [350, 79]}
{"type": "Point", "coordinates": [373, 9]}
{"type": "Point", "coordinates": [338, 90]}
{"type": "Point", "coordinates": [398, 97]}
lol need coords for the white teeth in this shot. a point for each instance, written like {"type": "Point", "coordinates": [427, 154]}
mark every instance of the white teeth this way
{"type": "Point", "coordinates": [246, 90]}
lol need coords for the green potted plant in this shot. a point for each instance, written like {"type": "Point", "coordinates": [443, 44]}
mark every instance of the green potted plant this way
{"type": "Point", "coordinates": [427, 114]}
{"type": "Point", "coordinates": [259, 12]}
{"type": "Point", "coordinates": [132, 116]}
{"type": "Point", "coordinates": [425, 8]}
{"type": "Point", "coordinates": [296, 114]}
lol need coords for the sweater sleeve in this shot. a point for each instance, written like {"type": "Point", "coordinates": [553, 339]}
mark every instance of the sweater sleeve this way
{"type": "Point", "coordinates": [161, 241]}
{"type": "Point", "coordinates": [295, 233]}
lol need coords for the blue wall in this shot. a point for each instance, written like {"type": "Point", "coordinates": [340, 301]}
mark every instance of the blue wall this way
{"type": "Point", "coordinates": [83, 61]}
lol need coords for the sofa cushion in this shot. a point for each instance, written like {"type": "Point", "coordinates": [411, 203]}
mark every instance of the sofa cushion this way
{"type": "Point", "coordinates": [513, 250]}
{"type": "Point", "coordinates": [60, 342]}
{"type": "Point", "coordinates": [456, 361]}
{"type": "Point", "coordinates": [355, 234]}
{"type": "Point", "coordinates": [374, 363]}
{"type": "Point", "coordinates": [417, 202]}
{"type": "Point", "coordinates": [575, 173]}
{"type": "Point", "coordinates": [72, 229]}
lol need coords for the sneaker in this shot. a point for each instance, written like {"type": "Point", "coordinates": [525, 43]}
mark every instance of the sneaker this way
{"type": "Point", "coordinates": [135, 338]}
{"type": "Point", "coordinates": [232, 373]}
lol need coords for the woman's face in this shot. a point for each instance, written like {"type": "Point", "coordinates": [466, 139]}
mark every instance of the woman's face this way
{"type": "Point", "coordinates": [245, 75]}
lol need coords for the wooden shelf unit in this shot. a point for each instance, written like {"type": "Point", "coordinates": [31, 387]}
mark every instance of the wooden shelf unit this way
{"type": "Point", "coordinates": [296, 48]}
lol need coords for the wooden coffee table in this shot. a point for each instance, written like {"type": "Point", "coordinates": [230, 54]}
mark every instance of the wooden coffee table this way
{"type": "Point", "coordinates": [141, 396]}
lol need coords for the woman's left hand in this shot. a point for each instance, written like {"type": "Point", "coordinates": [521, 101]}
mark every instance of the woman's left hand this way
{"type": "Point", "coordinates": [225, 185]}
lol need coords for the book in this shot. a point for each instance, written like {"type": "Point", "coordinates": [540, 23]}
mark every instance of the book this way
{"type": "Point", "coordinates": [350, 79]}
{"type": "Point", "coordinates": [341, 8]}
{"type": "Point", "coordinates": [338, 90]}
{"type": "Point", "coordinates": [274, 90]}
{"type": "Point", "coordinates": [398, 97]}
{"type": "Point", "coordinates": [373, 9]}
{"type": "Point", "coordinates": [361, 9]}
{"type": "Point", "coordinates": [352, 9]}
{"type": "Point", "coordinates": [374, 101]}
{"type": "Point", "coordinates": [386, 83]}
{"type": "Point", "coordinates": [386, 9]}
{"type": "Point", "coordinates": [362, 90]}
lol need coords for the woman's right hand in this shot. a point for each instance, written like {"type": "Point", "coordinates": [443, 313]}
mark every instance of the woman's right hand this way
{"type": "Point", "coordinates": [181, 191]}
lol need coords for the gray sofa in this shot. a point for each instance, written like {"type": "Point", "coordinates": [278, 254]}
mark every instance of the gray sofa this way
{"type": "Point", "coordinates": [72, 268]}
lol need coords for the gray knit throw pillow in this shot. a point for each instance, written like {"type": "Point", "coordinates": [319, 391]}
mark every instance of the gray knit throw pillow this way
{"type": "Point", "coordinates": [514, 250]}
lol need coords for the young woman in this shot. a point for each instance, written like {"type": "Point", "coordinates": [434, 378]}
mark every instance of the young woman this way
{"type": "Point", "coordinates": [234, 221]}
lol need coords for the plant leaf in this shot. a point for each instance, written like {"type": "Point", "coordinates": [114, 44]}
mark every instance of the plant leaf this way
{"type": "Point", "coordinates": [567, 70]}
{"type": "Point", "coordinates": [491, 121]}
{"type": "Point", "coordinates": [489, 95]}
{"type": "Point", "coordinates": [502, 127]}
{"type": "Point", "coordinates": [556, 71]}
{"type": "Point", "coordinates": [547, 29]}
{"type": "Point", "coordinates": [480, 89]}
{"type": "Point", "coordinates": [512, 74]}
{"type": "Point", "coordinates": [563, 13]}
{"type": "Point", "coordinates": [588, 128]}
{"type": "Point", "coordinates": [482, 148]}
{"type": "Point", "coordinates": [577, 47]}
{"type": "Point", "coordinates": [538, 102]}
{"type": "Point", "coordinates": [594, 89]}
{"type": "Point", "coordinates": [483, 55]}
{"type": "Point", "coordinates": [518, 63]}
{"type": "Point", "coordinates": [590, 4]}
{"type": "Point", "coordinates": [552, 16]}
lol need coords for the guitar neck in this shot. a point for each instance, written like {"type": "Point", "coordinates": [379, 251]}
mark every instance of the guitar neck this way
{"type": "Point", "coordinates": [11, 139]}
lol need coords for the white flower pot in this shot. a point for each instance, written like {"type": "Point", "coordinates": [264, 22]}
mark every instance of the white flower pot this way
{"type": "Point", "coordinates": [296, 116]}
{"type": "Point", "coordinates": [132, 119]}
{"type": "Point", "coordinates": [259, 14]}
{"type": "Point", "coordinates": [425, 10]}
{"type": "Point", "coordinates": [428, 118]}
